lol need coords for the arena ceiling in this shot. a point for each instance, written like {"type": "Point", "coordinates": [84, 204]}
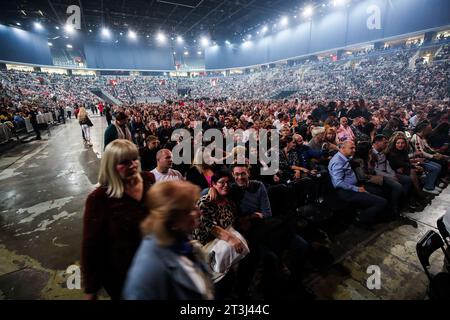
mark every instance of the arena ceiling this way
{"type": "Point", "coordinates": [219, 19]}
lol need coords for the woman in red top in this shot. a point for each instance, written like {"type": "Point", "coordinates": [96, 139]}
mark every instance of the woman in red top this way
{"type": "Point", "coordinates": [113, 213]}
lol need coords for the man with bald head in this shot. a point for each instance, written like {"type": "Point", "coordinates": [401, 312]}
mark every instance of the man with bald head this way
{"type": "Point", "coordinates": [348, 189]}
{"type": "Point", "coordinates": [163, 170]}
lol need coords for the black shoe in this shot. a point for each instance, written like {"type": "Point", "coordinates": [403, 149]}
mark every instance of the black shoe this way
{"type": "Point", "coordinates": [408, 221]}
{"type": "Point", "coordinates": [364, 226]}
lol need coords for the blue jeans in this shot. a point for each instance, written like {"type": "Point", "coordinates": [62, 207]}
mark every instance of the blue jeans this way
{"type": "Point", "coordinates": [433, 170]}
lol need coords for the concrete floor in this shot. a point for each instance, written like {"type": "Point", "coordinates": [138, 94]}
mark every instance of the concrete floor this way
{"type": "Point", "coordinates": [43, 187]}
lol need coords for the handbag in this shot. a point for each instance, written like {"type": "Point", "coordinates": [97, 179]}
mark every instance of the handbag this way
{"type": "Point", "coordinates": [89, 122]}
{"type": "Point", "coordinates": [221, 256]}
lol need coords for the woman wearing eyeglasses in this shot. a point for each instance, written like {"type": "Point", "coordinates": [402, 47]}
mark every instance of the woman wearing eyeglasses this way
{"type": "Point", "coordinates": [113, 213]}
{"type": "Point", "coordinates": [218, 214]}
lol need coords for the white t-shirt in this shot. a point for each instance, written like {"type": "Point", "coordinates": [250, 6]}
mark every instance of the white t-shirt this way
{"type": "Point", "coordinates": [171, 175]}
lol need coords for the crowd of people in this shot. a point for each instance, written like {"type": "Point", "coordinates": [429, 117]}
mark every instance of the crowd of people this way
{"type": "Point", "coordinates": [371, 133]}
{"type": "Point", "coordinates": [383, 159]}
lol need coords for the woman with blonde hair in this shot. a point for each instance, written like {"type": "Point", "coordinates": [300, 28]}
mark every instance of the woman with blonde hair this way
{"type": "Point", "coordinates": [86, 124]}
{"type": "Point", "coordinates": [167, 265]}
{"type": "Point", "coordinates": [112, 217]}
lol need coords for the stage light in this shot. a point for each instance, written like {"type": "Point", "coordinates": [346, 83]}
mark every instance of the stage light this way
{"type": "Point", "coordinates": [106, 33]}
{"type": "Point", "coordinates": [186, 53]}
{"type": "Point", "coordinates": [204, 41]}
{"type": "Point", "coordinates": [90, 30]}
{"type": "Point", "coordinates": [121, 33]}
{"type": "Point", "coordinates": [148, 36]}
{"type": "Point", "coordinates": [18, 23]}
{"type": "Point", "coordinates": [180, 39]}
{"type": "Point", "coordinates": [284, 21]}
{"type": "Point", "coordinates": [308, 12]}
{"type": "Point", "coordinates": [50, 44]}
{"type": "Point", "coordinates": [161, 37]}
{"type": "Point", "coordinates": [69, 29]}
{"type": "Point", "coordinates": [57, 28]}
{"type": "Point", "coordinates": [199, 52]}
{"type": "Point", "coordinates": [264, 29]}
{"type": "Point", "coordinates": [38, 26]}
{"type": "Point", "coordinates": [249, 36]}
{"type": "Point", "coordinates": [132, 34]}
{"type": "Point", "coordinates": [69, 46]}
{"type": "Point", "coordinates": [227, 42]}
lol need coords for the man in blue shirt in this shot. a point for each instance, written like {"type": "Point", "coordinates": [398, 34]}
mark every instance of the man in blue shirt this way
{"type": "Point", "coordinates": [346, 184]}
{"type": "Point", "coordinates": [254, 212]}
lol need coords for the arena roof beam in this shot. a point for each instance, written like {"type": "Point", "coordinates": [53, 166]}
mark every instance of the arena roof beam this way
{"type": "Point", "coordinates": [182, 4]}
{"type": "Point", "coordinates": [58, 19]}
{"type": "Point", "coordinates": [190, 12]}
{"type": "Point", "coordinates": [206, 16]}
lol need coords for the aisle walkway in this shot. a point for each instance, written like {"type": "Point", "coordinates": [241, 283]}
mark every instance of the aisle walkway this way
{"type": "Point", "coordinates": [43, 186]}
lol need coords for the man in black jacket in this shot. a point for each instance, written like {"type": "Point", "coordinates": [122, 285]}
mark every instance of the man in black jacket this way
{"type": "Point", "coordinates": [33, 120]}
{"type": "Point", "coordinates": [148, 153]}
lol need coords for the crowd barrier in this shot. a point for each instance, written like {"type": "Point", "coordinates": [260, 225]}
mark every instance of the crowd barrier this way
{"type": "Point", "coordinates": [5, 133]}
{"type": "Point", "coordinates": [46, 118]}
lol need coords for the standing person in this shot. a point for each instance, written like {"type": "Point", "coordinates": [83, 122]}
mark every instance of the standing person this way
{"type": "Point", "coordinates": [112, 217]}
{"type": "Point", "coordinates": [167, 266]}
{"type": "Point", "coordinates": [76, 111]}
{"type": "Point", "coordinates": [100, 108]}
{"type": "Point", "coordinates": [69, 112]}
{"type": "Point", "coordinates": [62, 115]}
{"type": "Point", "coordinates": [108, 115]}
{"type": "Point", "coordinates": [86, 125]}
{"type": "Point", "coordinates": [148, 153]}
{"type": "Point", "coordinates": [118, 130]}
{"type": "Point", "coordinates": [33, 120]}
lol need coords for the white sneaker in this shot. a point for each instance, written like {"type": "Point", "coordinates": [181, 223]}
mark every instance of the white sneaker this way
{"type": "Point", "coordinates": [438, 189]}
{"type": "Point", "coordinates": [435, 192]}
{"type": "Point", "coordinates": [441, 185]}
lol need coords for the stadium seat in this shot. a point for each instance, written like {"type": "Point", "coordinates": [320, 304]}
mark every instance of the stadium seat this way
{"type": "Point", "coordinates": [439, 287]}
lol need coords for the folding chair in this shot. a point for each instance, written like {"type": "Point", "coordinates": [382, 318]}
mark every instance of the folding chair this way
{"type": "Point", "coordinates": [446, 236]}
{"type": "Point", "coordinates": [443, 230]}
{"type": "Point", "coordinates": [439, 288]}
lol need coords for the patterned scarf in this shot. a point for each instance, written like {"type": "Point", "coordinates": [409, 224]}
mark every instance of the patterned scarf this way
{"type": "Point", "coordinates": [123, 135]}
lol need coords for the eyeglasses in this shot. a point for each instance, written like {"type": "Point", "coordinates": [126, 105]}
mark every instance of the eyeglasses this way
{"type": "Point", "coordinates": [223, 183]}
{"type": "Point", "coordinates": [128, 162]}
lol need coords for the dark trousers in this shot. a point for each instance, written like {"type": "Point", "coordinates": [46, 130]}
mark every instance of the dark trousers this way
{"type": "Point", "coordinates": [36, 130]}
{"type": "Point", "coordinates": [373, 204]}
{"type": "Point", "coordinates": [397, 190]}
{"type": "Point", "coordinates": [270, 269]}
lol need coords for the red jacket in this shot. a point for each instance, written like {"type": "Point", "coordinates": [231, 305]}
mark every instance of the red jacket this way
{"type": "Point", "coordinates": [111, 236]}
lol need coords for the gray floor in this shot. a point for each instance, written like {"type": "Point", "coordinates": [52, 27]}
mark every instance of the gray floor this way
{"type": "Point", "coordinates": [43, 188]}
